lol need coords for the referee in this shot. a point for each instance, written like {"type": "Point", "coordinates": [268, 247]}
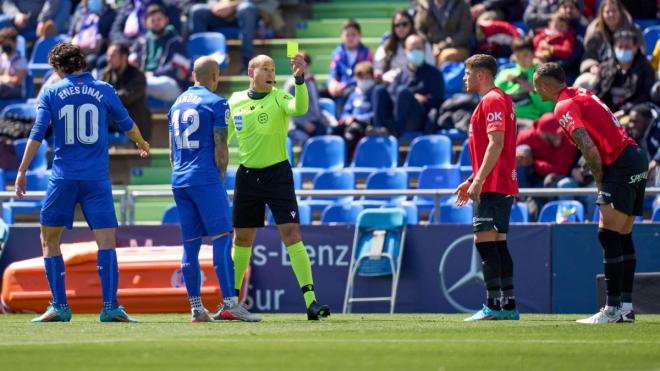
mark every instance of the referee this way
{"type": "Point", "coordinates": [259, 117]}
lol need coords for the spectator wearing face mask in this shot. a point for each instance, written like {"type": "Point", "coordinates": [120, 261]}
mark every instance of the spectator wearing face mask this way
{"type": "Point", "coordinates": [13, 66]}
{"type": "Point", "coordinates": [404, 105]}
{"type": "Point", "coordinates": [627, 79]}
{"type": "Point", "coordinates": [358, 110]}
{"type": "Point", "coordinates": [162, 56]}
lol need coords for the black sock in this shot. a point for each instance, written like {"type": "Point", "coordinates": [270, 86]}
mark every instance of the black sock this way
{"type": "Point", "coordinates": [629, 264]}
{"type": "Point", "coordinates": [613, 261]}
{"type": "Point", "coordinates": [490, 262]}
{"type": "Point", "coordinates": [508, 297]}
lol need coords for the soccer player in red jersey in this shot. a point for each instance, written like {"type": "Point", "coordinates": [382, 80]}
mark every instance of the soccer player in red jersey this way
{"type": "Point", "coordinates": [492, 186]}
{"type": "Point", "coordinates": [619, 168]}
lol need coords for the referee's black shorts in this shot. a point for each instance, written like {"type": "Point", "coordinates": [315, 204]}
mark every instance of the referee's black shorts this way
{"type": "Point", "coordinates": [624, 182]}
{"type": "Point", "coordinates": [492, 212]}
{"type": "Point", "coordinates": [255, 188]}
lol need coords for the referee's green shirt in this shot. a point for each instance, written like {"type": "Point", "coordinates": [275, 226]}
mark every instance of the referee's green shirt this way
{"type": "Point", "coordinates": [261, 125]}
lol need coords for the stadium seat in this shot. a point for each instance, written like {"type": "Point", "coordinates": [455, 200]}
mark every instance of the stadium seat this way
{"type": "Point", "coordinates": [377, 252]}
{"type": "Point", "coordinates": [38, 64]}
{"type": "Point", "coordinates": [115, 139]}
{"type": "Point", "coordinates": [656, 215]}
{"type": "Point", "coordinates": [452, 214]}
{"type": "Point", "coordinates": [289, 150]}
{"type": "Point", "coordinates": [35, 181]}
{"type": "Point", "coordinates": [3, 181]}
{"type": "Point", "coordinates": [436, 177]}
{"type": "Point", "coordinates": [596, 216]}
{"type": "Point", "coordinates": [651, 36]}
{"type": "Point", "coordinates": [410, 208]}
{"type": "Point", "coordinates": [22, 110]}
{"type": "Point", "coordinates": [331, 180]}
{"type": "Point", "coordinates": [373, 153]}
{"type": "Point", "coordinates": [171, 215]}
{"type": "Point", "coordinates": [346, 213]}
{"type": "Point", "coordinates": [573, 212]}
{"type": "Point", "coordinates": [230, 179]}
{"type": "Point", "coordinates": [384, 179]}
{"type": "Point", "coordinates": [464, 161]}
{"type": "Point", "coordinates": [428, 150]}
{"type": "Point", "coordinates": [39, 162]}
{"type": "Point", "coordinates": [213, 44]}
{"type": "Point", "coordinates": [304, 214]}
{"type": "Point", "coordinates": [452, 74]}
{"type": "Point", "coordinates": [328, 105]}
{"type": "Point", "coordinates": [456, 136]}
{"type": "Point", "coordinates": [159, 105]}
{"type": "Point", "coordinates": [519, 213]}
{"type": "Point", "coordinates": [325, 152]}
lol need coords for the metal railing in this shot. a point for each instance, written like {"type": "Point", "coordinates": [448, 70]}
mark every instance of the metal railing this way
{"type": "Point", "coordinates": [127, 198]}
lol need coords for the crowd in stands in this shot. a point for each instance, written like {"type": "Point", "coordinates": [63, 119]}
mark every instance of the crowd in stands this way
{"type": "Point", "coordinates": [402, 88]}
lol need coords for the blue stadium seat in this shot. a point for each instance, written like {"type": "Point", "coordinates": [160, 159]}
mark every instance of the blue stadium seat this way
{"type": "Point", "coordinates": [38, 64]}
{"type": "Point", "coordinates": [574, 211]}
{"type": "Point", "coordinates": [213, 44]}
{"type": "Point", "coordinates": [289, 150]}
{"type": "Point", "coordinates": [373, 153]}
{"type": "Point", "coordinates": [171, 215]}
{"type": "Point", "coordinates": [346, 213]}
{"type": "Point", "coordinates": [452, 214]}
{"type": "Point", "coordinates": [519, 213]}
{"type": "Point", "coordinates": [159, 105]}
{"type": "Point", "coordinates": [452, 74]}
{"type": "Point", "coordinates": [115, 139]}
{"type": "Point", "coordinates": [328, 180]}
{"type": "Point", "coordinates": [428, 150]}
{"type": "Point", "coordinates": [35, 181]}
{"type": "Point", "coordinates": [596, 216]}
{"type": "Point", "coordinates": [384, 179]}
{"type": "Point", "coordinates": [437, 177]}
{"type": "Point", "coordinates": [25, 111]}
{"type": "Point", "coordinates": [651, 35]}
{"type": "Point", "coordinates": [646, 23]}
{"type": "Point", "coordinates": [656, 215]}
{"type": "Point", "coordinates": [410, 208]}
{"type": "Point", "coordinates": [3, 181]}
{"type": "Point", "coordinates": [464, 161]}
{"type": "Point", "coordinates": [230, 179]}
{"type": "Point", "coordinates": [229, 32]}
{"type": "Point", "coordinates": [328, 105]}
{"type": "Point", "coordinates": [325, 152]}
{"type": "Point", "coordinates": [39, 162]}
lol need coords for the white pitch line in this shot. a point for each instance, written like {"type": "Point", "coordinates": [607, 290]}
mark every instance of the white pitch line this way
{"type": "Point", "coordinates": [338, 341]}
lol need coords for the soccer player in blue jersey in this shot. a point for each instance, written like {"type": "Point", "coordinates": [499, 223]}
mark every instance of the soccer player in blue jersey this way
{"type": "Point", "coordinates": [199, 156]}
{"type": "Point", "coordinates": [77, 107]}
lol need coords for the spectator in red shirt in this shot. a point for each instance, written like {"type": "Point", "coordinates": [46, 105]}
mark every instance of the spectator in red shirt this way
{"type": "Point", "coordinates": [543, 154]}
{"type": "Point", "coordinates": [619, 168]}
{"type": "Point", "coordinates": [556, 41]}
{"type": "Point", "coordinates": [492, 186]}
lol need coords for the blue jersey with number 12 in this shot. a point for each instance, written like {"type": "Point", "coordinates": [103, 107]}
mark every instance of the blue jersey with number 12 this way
{"type": "Point", "coordinates": [78, 107]}
{"type": "Point", "coordinates": [192, 119]}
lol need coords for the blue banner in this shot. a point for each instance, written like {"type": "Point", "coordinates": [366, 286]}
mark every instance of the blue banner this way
{"type": "Point", "coordinates": [577, 258]}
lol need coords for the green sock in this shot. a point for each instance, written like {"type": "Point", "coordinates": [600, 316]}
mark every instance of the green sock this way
{"type": "Point", "coordinates": [241, 261]}
{"type": "Point", "coordinates": [303, 270]}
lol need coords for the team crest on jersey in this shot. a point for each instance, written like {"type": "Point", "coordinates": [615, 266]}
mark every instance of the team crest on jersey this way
{"type": "Point", "coordinates": [226, 116]}
{"type": "Point", "coordinates": [287, 97]}
{"type": "Point", "coordinates": [262, 118]}
{"type": "Point", "coordinates": [238, 122]}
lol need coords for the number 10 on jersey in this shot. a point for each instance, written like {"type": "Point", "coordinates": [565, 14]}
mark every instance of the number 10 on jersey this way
{"type": "Point", "coordinates": [182, 138]}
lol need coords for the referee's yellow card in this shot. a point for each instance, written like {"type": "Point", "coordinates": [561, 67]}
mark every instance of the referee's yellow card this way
{"type": "Point", "coordinates": [291, 48]}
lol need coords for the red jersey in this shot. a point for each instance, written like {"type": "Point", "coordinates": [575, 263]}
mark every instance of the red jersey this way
{"type": "Point", "coordinates": [495, 113]}
{"type": "Point", "coordinates": [579, 108]}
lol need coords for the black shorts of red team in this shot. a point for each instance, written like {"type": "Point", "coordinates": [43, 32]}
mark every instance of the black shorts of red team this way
{"type": "Point", "coordinates": [492, 213]}
{"type": "Point", "coordinates": [624, 182]}
{"type": "Point", "coordinates": [256, 188]}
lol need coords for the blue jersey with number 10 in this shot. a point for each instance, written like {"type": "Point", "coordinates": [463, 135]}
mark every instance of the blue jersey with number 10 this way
{"type": "Point", "coordinates": [192, 119]}
{"type": "Point", "coordinates": [78, 107]}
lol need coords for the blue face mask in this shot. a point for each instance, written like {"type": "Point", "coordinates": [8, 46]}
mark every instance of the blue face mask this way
{"type": "Point", "coordinates": [624, 55]}
{"type": "Point", "coordinates": [415, 57]}
{"type": "Point", "coordinates": [95, 6]}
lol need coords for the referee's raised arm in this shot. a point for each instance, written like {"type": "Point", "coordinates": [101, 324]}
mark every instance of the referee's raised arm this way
{"type": "Point", "coordinates": [300, 104]}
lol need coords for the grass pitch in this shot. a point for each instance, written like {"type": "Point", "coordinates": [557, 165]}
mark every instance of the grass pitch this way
{"type": "Point", "coordinates": [359, 342]}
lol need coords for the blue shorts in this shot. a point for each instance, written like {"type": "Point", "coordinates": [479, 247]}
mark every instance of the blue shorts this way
{"type": "Point", "coordinates": [203, 210]}
{"type": "Point", "coordinates": [94, 196]}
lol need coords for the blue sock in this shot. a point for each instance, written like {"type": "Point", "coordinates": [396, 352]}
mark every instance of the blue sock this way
{"type": "Point", "coordinates": [107, 267]}
{"type": "Point", "coordinates": [55, 274]}
{"type": "Point", "coordinates": [192, 275]}
{"type": "Point", "coordinates": [224, 265]}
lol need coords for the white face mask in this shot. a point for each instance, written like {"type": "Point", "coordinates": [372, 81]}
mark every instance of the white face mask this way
{"type": "Point", "coordinates": [365, 84]}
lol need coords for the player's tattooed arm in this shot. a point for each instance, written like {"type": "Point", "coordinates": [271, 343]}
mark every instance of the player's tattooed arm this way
{"type": "Point", "coordinates": [221, 150]}
{"type": "Point", "coordinates": [590, 153]}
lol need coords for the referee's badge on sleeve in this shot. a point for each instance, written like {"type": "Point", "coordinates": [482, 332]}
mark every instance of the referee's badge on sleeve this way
{"type": "Point", "coordinates": [238, 122]}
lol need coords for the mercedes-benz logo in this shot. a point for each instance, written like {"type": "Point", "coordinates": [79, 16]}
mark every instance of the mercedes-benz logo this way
{"type": "Point", "coordinates": [473, 275]}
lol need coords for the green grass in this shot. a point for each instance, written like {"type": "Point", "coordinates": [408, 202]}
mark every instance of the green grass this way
{"type": "Point", "coordinates": [359, 342]}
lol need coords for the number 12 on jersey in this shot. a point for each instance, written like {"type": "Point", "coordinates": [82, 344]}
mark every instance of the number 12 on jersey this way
{"type": "Point", "coordinates": [182, 138]}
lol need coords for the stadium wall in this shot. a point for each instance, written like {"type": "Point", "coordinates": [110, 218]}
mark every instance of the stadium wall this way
{"type": "Point", "coordinates": [555, 265]}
